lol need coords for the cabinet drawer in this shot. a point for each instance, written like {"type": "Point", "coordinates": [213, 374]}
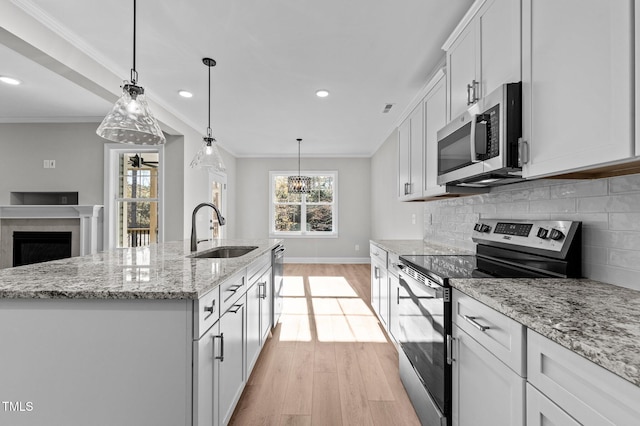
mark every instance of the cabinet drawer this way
{"type": "Point", "coordinates": [541, 411]}
{"type": "Point", "coordinates": [377, 253]}
{"type": "Point", "coordinates": [257, 267]}
{"type": "Point", "coordinates": [502, 336]}
{"type": "Point", "coordinates": [231, 290]}
{"type": "Point", "coordinates": [206, 312]}
{"type": "Point", "coordinates": [392, 263]}
{"type": "Point", "coordinates": [588, 392]}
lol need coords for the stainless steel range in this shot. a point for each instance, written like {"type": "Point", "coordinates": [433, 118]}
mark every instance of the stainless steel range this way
{"type": "Point", "coordinates": [505, 249]}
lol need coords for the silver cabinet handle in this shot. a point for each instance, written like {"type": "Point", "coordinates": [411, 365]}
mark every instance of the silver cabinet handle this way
{"type": "Point", "coordinates": [210, 308]}
{"type": "Point", "coordinates": [221, 356]}
{"type": "Point", "coordinates": [263, 294]}
{"type": "Point", "coordinates": [472, 320]}
{"type": "Point", "coordinates": [398, 296]}
{"type": "Point", "coordinates": [375, 272]}
{"type": "Point", "coordinates": [234, 288]}
{"type": "Point", "coordinates": [523, 152]}
{"type": "Point", "coordinates": [472, 88]}
{"type": "Point", "coordinates": [450, 358]}
{"type": "Point", "coordinates": [235, 308]}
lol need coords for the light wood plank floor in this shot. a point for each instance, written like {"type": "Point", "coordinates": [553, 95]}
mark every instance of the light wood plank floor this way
{"type": "Point", "coordinates": [328, 361]}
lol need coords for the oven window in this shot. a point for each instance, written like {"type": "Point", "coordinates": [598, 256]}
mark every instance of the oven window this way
{"type": "Point", "coordinates": [454, 151]}
{"type": "Point", "coordinates": [422, 334]}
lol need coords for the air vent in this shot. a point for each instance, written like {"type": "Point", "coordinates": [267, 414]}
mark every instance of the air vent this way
{"type": "Point", "coordinates": [387, 108]}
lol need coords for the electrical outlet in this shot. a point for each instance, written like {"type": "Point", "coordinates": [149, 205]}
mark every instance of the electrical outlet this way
{"type": "Point", "coordinates": [413, 219]}
{"type": "Point", "coordinates": [52, 164]}
{"type": "Point", "coordinates": [45, 164]}
{"type": "Point", "coordinates": [357, 247]}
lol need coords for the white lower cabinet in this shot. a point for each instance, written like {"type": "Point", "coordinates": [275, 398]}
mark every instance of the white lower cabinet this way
{"type": "Point", "coordinates": [485, 391]}
{"type": "Point", "coordinates": [541, 411]}
{"type": "Point", "coordinates": [253, 325]}
{"type": "Point", "coordinates": [231, 370]}
{"type": "Point", "coordinates": [488, 366]}
{"type": "Point", "coordinates": [587, 392]}
{"type": "Point", "coordinates": [379, 283]}
{"type": "Point", "coordinates": [206, 353]}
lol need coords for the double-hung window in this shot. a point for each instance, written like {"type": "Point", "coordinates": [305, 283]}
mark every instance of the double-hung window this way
{"type": "Point", "coordinates": [314, 214]}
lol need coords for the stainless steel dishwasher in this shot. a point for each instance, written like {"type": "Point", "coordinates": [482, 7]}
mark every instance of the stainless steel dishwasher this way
{"type": "Point", "coordinates": [277, 257]}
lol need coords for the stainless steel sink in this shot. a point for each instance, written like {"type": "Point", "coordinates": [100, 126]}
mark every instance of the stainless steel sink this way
{"type": "Point", "coordinates": [224, 252]}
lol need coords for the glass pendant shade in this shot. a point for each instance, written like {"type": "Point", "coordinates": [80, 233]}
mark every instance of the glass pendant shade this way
{"type": "Point", "coordinates": [298, 184]}
{"type": "Point", "coordinates": [208, 157]}
{"type": "Point", "coordinates": [131, 121]}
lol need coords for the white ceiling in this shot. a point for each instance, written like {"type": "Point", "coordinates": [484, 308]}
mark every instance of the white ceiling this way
{"type": "Point", "coordinates": [272, 56]}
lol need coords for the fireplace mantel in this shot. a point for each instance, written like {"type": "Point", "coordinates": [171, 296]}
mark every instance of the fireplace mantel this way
{"type": "Point", "coordinates": [88, 215]}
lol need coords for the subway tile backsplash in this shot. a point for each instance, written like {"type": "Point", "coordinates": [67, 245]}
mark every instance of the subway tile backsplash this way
{"type": "Point", "coordinates": [609, 210]}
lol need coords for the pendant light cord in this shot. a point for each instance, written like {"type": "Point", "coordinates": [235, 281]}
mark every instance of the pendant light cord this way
{"type": "Point", "coordinates": [134, 73]}
{"type": "Point", "coordinates": [209, 122]}
{"type": "Point", "coordinates": [299, 140]}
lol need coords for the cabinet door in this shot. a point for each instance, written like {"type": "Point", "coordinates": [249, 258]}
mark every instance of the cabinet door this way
{"type": "Point", "coordinates": [542, 412]}
{"type": "Point", "coordinates": [577, 81]}
{"type": "Point", "coordinates": [461, 69]}
{"type": "Point", "coordinates": [500, 44]}
{"type": "Point", "coordinates": [485, 391]}
{"type": "Point", "coordinates": [265, 305]}
{"type": "Point", "coordinates": [394, 300]}
{"type": "Point", "coordinates": [231, 373]}
{"type": "Point", "coordinates": [375, 287]}
{"type": "Point", "coordinates": [383, 282]}
{"type": "Point", "coordinates": [253, 326]}
{"type": "Point", "coordinates": [205, 378]}
{"type": "Point", "coordinates": [404, 155]}
{"type": "Point", "coordinates": [417, 143]}
{"type": "Point", "coordinates": [435, 117]}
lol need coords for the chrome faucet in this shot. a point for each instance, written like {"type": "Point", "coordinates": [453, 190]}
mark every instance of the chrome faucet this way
{"type": "Point", "coordinates": [194, 238]}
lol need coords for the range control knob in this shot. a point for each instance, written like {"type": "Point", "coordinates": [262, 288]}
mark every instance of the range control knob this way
{"type": "Point", "coordinates": [556, 235]}
{"type": "Point", "coordinates": [481, 227]}
{"type": "Point", "coordinates": [543, 233]}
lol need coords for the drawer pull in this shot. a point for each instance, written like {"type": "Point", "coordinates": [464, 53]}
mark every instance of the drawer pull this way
{"type": "Point", "coordinates": [235, 308]}
{"type": "Point", "coordinates": [234, 288]}
{"type": "Point", "coordinates": [210, 308]}
{"type": "Point", "coordinates": [472, 320]}
{"type": "Point", "coordinates": [221, 356]}
{"type": "Point", "coordinates": [262, 294]}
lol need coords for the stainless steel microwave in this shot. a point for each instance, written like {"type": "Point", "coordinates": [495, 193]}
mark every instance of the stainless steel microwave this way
{"type": "Point", "coordinates": [480, 148]}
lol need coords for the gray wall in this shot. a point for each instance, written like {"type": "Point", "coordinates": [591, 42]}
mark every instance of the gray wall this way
{"type": "Point", "coordinates": [608, 208]}
{"type": "Point", "coordinates": [79, 155]}
{"type": "Point", "coordinates": [390, 218]}
{"type": "Point", "coordinates": [78, 152]}
{"type": "Point", "coordinates": [354, 206]}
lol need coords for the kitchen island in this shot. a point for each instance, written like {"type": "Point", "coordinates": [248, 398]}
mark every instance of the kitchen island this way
{"type": "Point", "coordinates": [112, 338]}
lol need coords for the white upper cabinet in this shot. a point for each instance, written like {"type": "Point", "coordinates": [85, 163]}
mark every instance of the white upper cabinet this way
{"type": "Point", "coordinates": [483, 52]}
{"type": "Point", "coordinates": [577, 84]}
{"type": "Point", "coordinates": [410, 143]}
{"type": "Point", "coordinates": [435, 117]}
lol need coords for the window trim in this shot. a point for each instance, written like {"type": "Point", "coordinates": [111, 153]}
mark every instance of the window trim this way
{"type": "Point", "coordinates": [112, 152]}
{"type": "Point", "coordinates": [303, 234]}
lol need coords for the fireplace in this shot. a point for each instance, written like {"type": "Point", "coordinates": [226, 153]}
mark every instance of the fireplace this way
{"type": "Point", "coordinates": [35, 247]}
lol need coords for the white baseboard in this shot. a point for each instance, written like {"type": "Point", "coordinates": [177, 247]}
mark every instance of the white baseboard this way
{"type": "Point", "coordinates": [331, 260]}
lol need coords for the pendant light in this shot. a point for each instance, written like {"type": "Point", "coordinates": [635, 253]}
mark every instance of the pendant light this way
{"type": "Point", "coordinates": [299, 184]}
{"type": "Point", "coordinates": [130, 119]}
{"type": "Point", "coordinates": [208, 157]}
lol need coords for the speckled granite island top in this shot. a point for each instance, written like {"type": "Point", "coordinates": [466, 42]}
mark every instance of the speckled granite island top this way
{"type": "Point", "coordinates": [599, 321]}
{"type": "Point", "coordinates": [159, 271]}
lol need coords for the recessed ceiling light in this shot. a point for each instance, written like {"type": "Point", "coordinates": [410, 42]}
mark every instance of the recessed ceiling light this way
{"type": "Point", "coordinates": [185, 94]}
{"type": "Point", "coordinates": [9, 80]}
{"type": "Point", "coordinates": [322, 93]}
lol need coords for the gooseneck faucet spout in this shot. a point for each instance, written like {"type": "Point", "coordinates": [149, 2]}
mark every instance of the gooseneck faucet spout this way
{"type": "Point", "coordinates": [194, 238]}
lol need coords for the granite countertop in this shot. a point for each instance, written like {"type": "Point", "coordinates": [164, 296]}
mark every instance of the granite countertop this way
{"type": "Point", "coordinates": [158, 271]}
{"type": "Point", "coordinates": [598, 321]}
{"type": "Point", "coordinates": [417, 247]}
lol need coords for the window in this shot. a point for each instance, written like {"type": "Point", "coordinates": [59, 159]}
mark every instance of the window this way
{"type": "Point", "coordinates": [133, 196]}
{"type": "Point", "coordinates": [313, 214]}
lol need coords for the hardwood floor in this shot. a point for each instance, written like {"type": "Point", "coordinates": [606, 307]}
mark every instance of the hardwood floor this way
{"type": "Point", "coordinates": [328, 361]}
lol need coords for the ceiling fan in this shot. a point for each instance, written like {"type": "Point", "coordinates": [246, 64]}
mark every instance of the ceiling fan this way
{"type": "Point", "coordinates": [137, 161]}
